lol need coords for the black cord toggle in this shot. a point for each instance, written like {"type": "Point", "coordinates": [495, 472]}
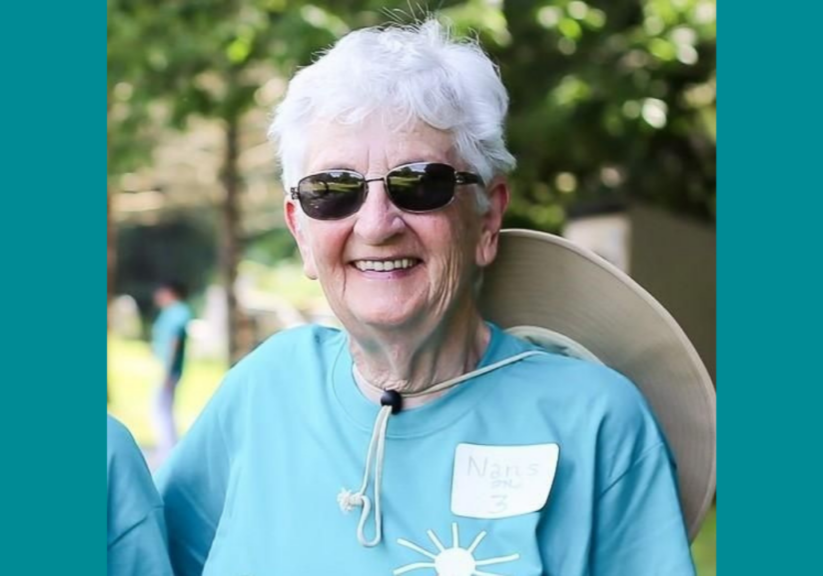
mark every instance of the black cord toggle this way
{"type": "Point", "coordinates": [392, 398]}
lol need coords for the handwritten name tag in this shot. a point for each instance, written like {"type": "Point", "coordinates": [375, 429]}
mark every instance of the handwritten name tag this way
{"type": "Point", "coordinates": [502, 481]}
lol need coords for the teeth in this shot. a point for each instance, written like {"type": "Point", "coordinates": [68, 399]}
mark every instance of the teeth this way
{"type": "Point", "coordinates": [385, 265]}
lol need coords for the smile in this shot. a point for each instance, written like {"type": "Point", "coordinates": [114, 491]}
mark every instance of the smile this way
{"type": "Point", "coordinates": [385, 265]}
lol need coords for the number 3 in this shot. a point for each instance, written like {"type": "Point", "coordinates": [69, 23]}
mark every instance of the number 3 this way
{"type": "Point", "coordinates": [499, 503]}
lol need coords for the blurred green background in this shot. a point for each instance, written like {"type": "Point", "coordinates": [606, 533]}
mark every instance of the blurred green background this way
{"type": "Point", "coordinates": [612, 120]}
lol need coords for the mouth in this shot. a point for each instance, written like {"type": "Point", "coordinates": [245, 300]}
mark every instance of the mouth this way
{"type": "Point", "coordinates": [386, 264]}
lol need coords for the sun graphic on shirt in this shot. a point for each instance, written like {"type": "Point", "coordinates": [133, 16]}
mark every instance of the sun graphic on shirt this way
{"type": "Point", "coordinates": [454, 561]}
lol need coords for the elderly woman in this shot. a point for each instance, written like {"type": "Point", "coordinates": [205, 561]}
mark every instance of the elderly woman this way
{"type": "Point", "coordinates": [420, 439]}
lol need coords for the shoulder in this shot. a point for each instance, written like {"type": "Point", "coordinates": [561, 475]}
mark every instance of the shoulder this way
{"type": "Point", "coordinates": [282, 357]}
{"type": "Point", "coordinates": [588, 400]}
{"type": "Point", "coordinates": [124, 456]}
{"type": "Point", "coordinates": [119, 441]}
{"type": "Point", "coordinates": [607, 397]}
{"type": "Point", "coordinates": [550, 372]}
{"type": "Point", "coordinates": [294, 344]}
{"type": "Point", "coordinates": [181, 312]}
{"type": "Point", "coordinates": [260, 388]}
{"type": "Point", "coordinates": [131, 492]}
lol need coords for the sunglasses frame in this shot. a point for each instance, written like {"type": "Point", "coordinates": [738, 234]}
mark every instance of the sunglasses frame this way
{"type": "Point", "coordinates": [460, 178]}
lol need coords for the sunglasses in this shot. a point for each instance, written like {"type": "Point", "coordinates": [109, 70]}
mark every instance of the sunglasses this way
{"type": "Point", "coordinates": [418, 187]}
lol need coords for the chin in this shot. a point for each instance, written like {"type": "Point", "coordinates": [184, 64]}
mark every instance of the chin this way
{"type": "Point", "coordinates": [386, 318]}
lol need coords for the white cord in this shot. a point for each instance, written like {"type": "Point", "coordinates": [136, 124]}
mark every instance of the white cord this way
{"type": "Point", "coordinates": [348, 500]}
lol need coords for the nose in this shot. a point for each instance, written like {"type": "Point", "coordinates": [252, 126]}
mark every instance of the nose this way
{"type": "Point", "coordinates": [378, 220]}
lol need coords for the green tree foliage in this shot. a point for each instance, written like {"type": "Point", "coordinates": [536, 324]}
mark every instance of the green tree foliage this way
{"type": "Point", "coordinates": [128, 96]}
{"type": "Point", "coordinates": [611, 100]}
{"type": "Point", "coordinates": [208, 58]}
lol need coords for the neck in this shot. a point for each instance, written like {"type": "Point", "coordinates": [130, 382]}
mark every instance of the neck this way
{"type": "Point", "coordinates": [411, 361]}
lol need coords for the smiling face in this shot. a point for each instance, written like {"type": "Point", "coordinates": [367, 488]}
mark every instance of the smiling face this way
{"type": "Point", "coordinates": [382, 267]}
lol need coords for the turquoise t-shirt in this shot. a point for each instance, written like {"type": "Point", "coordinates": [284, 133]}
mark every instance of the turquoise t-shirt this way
{"type": "Point", "coordinates": [252, 489]}
{"type": "Point", "coordinates": [169, 326]}
{"type": "Point", "coordinates": [136, 528]}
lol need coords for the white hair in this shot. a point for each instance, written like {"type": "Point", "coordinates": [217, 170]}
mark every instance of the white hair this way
{"type": "Point", "coordinates": [411, 73]}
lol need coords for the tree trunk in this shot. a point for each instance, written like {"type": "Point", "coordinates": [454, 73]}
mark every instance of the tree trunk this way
{"type": "Point", "coordinates": [230, 241]}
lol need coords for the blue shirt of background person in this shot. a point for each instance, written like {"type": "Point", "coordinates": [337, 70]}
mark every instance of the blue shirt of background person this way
{"type": "Point", "coordinates": [135, 523]}
{"type": "Point", "coordinates": [169, 329]}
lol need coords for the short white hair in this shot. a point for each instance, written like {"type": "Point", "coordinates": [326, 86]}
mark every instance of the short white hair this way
{"type": "Point", "coordinates": [411, 73]}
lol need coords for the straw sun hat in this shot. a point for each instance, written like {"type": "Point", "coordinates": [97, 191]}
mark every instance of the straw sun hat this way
{"type": "Point", "coordinates": [547, 289]}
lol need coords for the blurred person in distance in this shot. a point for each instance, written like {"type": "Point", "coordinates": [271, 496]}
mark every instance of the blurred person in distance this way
{"type": "Point", "coordinates": [168, 341]}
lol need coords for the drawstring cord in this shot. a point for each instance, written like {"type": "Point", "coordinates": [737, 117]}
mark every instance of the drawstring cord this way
{"type": "Point", "coordinates": [349, 500]}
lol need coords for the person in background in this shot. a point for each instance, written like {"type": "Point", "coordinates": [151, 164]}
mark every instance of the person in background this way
{"type": "Point", "coordinates": [135, 523]}
{"type": "Point", "coordinates": [169, 347]}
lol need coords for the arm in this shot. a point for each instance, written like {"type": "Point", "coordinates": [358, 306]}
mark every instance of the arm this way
{"type": "Point", "coordinates": [141, 550]}
{"type": "Point", "coordinates": [170, 376]}
{"type": "Point", "coordinates": [176, 347]}
{"type": "Point", "coordinates": [639, 527]}
{"type": "Point", "coordinates": [136, 528]}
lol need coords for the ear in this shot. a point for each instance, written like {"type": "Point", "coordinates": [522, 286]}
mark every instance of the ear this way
{"type": "Point", "coordinates": [492, 220]}
{"type": "Point", "coordinates": [293, 217]}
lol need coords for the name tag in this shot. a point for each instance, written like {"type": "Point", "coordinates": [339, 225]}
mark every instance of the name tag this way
{"type": "Point", "coordinates": [502, 481]}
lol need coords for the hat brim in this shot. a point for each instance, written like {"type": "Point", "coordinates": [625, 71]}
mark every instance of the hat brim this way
{"type": "Point", "coordinates": [543, 280]}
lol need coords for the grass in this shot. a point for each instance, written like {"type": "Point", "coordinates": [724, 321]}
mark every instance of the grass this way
{"type": "Point", "coordinates": [133, 377]}
{"type": "Point", "coordinates": [704, 548]}
{"type": "Point", "coordinates": [133, 380]}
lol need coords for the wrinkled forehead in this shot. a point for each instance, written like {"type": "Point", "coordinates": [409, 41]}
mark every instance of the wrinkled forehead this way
{"type": "Point", "coordinates": [375, 145]}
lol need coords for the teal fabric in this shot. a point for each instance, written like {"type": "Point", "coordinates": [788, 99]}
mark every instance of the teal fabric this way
{"type": "Point", "coordinates": [252, 488]}
{"type": "Point", "coordinates": [169, 326]}
{"type": "Point", "coordinates": [136, 528]}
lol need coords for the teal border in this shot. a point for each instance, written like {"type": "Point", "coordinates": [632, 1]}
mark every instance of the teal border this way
{"type": "Point", "coordinates": [770, 492]}
{"type": "Point", "coordinates": [770, 495]}
{"type": "Point", "coordinates": [52, 288]}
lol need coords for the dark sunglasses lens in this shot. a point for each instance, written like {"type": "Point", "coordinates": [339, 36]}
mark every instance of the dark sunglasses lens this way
{"type": "Point", "coordinates": [330, 195]}
{"type": "Point", "coordinates": [421, 187]}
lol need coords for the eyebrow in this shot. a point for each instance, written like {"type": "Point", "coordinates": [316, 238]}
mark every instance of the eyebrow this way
{"type": "Point", "coordinates": [404, 163]}
{"type": "Point", "coordinates": [416, 161]}
{"type": "Point", "coordinates": [330, 167]}
{"type": "Point", "coordinates": [340, 167]}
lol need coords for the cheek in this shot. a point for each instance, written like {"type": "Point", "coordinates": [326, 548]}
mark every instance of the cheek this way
{"type": "Point", "coordinates": [328, 246]}
{"type": "Point", "coordinates": [466, 233]}
{"type": "Point", "coordinates": [457, 246]}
